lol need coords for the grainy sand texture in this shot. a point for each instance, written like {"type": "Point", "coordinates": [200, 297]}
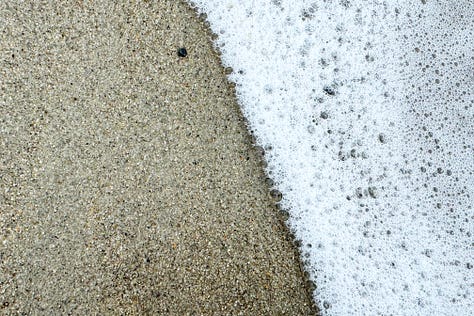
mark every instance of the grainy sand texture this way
{"type": "Point", "coordinates": [128, 181]}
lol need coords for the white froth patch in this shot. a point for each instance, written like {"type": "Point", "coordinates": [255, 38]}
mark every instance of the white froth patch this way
{"type": "Point", "coordinates": [366, 109]}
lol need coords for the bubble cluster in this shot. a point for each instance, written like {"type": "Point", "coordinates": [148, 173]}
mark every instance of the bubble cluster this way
{"type": "Point", "coordinates": [368, 108]}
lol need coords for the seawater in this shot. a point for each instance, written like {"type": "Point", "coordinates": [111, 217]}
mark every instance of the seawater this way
{"type": "Point", "coordinates": [366, 113]}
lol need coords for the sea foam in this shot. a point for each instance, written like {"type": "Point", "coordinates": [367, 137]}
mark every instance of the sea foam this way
{"type": "Point", "coordinates": [366, 112]}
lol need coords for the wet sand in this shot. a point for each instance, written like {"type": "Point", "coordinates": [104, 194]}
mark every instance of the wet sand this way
{"type": "Point", "coordinates": [128, 181]}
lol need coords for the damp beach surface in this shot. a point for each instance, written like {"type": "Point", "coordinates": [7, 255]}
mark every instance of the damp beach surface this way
{"type": "Point", "coordinates": [128, 181]}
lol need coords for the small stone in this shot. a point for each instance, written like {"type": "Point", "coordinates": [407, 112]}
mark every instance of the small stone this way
{"type": "Point", "coordinates": [182, 52]}
{"type": "Point", "coordinates": [382, 138]}
{"type": "Point", "coordinates": [324, 115]}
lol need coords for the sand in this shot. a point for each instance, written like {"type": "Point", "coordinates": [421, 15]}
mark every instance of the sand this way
{"type": "Point", "coordinates": [128, 181]}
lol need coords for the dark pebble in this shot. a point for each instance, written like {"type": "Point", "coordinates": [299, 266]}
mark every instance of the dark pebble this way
{"type": "Point", "coordinates": [182, 52]}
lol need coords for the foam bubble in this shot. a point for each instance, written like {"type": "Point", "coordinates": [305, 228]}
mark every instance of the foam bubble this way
{"type": "Point", "coordinates": [366, 113]}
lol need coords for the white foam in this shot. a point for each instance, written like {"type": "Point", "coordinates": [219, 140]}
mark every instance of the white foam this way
{"type": "Point", "coordinates": [368, 109]}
